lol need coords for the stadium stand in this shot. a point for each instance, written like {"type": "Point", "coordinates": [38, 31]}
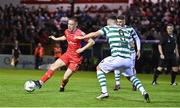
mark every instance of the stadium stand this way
{"type": "Point", "coordinates": [32, 25]}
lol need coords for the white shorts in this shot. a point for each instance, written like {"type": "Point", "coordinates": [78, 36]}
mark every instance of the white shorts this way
{"type": "Point", "coordinates": [110, 63]}
{"type": "Point", "coordinates": [133, 59]}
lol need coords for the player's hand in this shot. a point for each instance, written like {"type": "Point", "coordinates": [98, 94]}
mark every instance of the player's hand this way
{"type": "Point", "coordinates": [79, 37]}
{"type": "Point", "coordinates": [138, 54]}
{"type": "Point", "coordinates": [80, 50]}
{"type": "Point", "coordinates": [52, 37]}
{"type": "Point", "coordinates": [162, 56]}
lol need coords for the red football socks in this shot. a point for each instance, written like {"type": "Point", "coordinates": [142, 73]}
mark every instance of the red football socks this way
{"type": "Point", "coordinates": [47, 75]}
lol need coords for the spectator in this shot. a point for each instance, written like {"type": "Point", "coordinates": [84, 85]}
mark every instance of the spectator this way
{"type": "Point", "coordinates": [57, 51]}
{"type": "Point", "coordinates": [15, 54]}
{"type": "Point", "coordinates": [27, 24]}
{"type": "Point", "coordinates": [38, 54]}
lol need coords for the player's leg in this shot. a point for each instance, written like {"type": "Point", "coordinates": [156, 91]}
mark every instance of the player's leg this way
{"type": "Point", "coordinates": [174, 63]}
{"type": "Point", "coordinates": [127, 76]}
{"type": "Point", "coordinates": [134, 70]}
{"type": "Point", "coordinates": [134, 88]}
{"type": "Point", "coordinates": [117, 75]}
{"type": "Point", "coordinates": [72, 68]}
{"type": "Point", "coordinates": [173, 75]}
{"type": "Point", "coordinates": [136, 82]}
{"type": "Point", "coordinates": [102, 80]}
{"type": "Point", "coordinates": [65, 79]}
{"type": "Point", "coordinates": [105, 66]}
{"type": "Point", "coordinates": [158, 71]}
{"type": "Point", "coordinates": [58, 63]}
{"type": "Point", "coordinates": [62, 61]}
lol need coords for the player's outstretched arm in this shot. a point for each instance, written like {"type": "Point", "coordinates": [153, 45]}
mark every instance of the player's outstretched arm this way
{"type": "Point", "coordinates": [58, 38]}
{"type": "Point", "coordinates": [90, 43]}
{"type": "Point", "coordinates": [90, 35]}
{"type": "Point", "coordinates": [138, 54]}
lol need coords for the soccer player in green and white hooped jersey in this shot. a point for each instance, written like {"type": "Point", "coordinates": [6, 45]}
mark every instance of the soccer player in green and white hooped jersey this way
{"type": "Point", "coordinates": [120, 44]}
{"type": "Point", "coordinates": [135, 40]}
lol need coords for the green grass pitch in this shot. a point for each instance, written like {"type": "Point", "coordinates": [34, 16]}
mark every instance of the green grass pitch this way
{"type": "Point", "coordinates": [81, 91]}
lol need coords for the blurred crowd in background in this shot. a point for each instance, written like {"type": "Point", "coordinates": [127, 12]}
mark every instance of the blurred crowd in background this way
{"type": "Point", "coordinates": [33, 25]}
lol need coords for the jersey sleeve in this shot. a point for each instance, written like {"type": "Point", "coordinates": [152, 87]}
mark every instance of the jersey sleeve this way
{"type": "Point", "coordinates": [136, 38]}
{"type": "Point", "coordinates": [104, 30]}
{"type": "Point", "coordinates": [133, 33]}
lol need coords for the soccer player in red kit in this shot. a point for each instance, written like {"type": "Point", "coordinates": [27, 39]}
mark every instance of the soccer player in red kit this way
{"type": "Point", "coordinates": [71, 58]}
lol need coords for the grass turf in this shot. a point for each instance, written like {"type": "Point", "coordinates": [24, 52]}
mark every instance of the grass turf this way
{"type": "Point", "coordinates": [81, 91]}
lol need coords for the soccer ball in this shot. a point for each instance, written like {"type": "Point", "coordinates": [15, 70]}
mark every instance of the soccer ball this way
{"type": "Point", "coordinates": [29, 86]}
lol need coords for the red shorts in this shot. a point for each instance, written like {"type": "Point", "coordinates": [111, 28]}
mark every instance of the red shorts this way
{"type": "Point", "coordinates": [72, 62]}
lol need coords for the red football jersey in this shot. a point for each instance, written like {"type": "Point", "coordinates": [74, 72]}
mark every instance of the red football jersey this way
{"type": "Point", "coordinates": [73, 44]}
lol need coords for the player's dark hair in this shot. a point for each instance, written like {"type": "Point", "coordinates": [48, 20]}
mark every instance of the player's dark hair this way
{"type": "Point", "coordinates": [74, 19]}
{"type": "Point", "coordinates": [113, 17]}
{"type": "Point", "coordinates": [121, 17]}
{"type": "Point", "coordinates": [170, 24]}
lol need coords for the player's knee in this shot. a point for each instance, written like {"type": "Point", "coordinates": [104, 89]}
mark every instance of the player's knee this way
{"type": "Point", "coordinates": [52, 67]}
{"type": "Point", "coordinates": [98, 68]}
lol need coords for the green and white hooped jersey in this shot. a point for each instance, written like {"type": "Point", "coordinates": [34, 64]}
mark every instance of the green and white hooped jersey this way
{"type": "Point", "coordinates": [119, 40]}
{"type": "Point", "coordinates": [135, 38]}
